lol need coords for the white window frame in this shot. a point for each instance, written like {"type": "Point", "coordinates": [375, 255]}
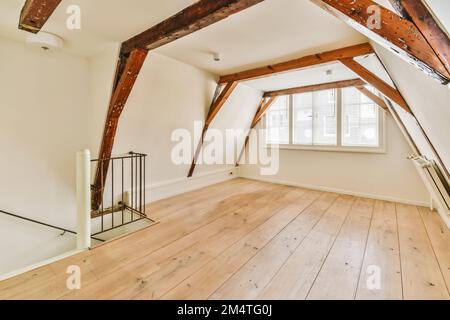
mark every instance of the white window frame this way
{"type": "Point", "coordinates": [339, 147]}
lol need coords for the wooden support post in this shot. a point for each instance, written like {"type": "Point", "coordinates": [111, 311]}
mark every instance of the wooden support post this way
{"type": "Point", "coordinates": [132, 55]}
{"type": "Point", "coordinates": [216, 106]}
{"type": "Point", "coordinates": [122, 90]}
{"type": "Point", "coordinates": [376, 82]}
{"type": "Point", "coordinates": [397, 34]}
{"type": "Point", "coordinates": [35, 14]}
{"type": "Point", "coordinates": [262, 108]}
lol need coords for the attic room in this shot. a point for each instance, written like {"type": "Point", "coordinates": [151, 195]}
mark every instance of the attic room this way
{"type": "Point", "coordinates": [225, 150]}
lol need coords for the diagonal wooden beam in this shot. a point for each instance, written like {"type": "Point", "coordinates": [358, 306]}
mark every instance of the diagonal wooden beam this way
{"type": "Point", "coordinates": [376, 82]}
{"type": "Point", "coordinates": [369, 94]}
{"type": "Point", "coordinates": [393, 32]}
{"type": "Point", "coordinates": [132, 66]}
{"type": "Point", "coordinates": [35, 14]}
{"type": "Point", "coordinates": [195, 17]}
{"type": "Point", "coordinates": [303, 62]}
{"type": "Point", "coordinates": [264, 104]}
{"type": "Point", "coordinates": [216, 106]}
{"type": "Point", "coordinates": [418, 13]}
{"type": "Point", "coordinates": [223, 97]}
{"type": "Point", "coordinates": [262, 111]}
{"type": "Point", "coordinates": [316, 87]}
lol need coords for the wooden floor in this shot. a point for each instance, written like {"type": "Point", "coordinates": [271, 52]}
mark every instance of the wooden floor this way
{"type": "Point", "coordinates": [244, 239]}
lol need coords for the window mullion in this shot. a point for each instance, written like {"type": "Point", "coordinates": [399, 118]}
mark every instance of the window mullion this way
{"type": "Point", "coordinates": [291, 119]}
{"type": "Point", "coordinates": [339, 117]}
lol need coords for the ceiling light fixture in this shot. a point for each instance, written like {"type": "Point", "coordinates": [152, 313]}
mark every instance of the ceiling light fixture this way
{"type": "Point", "coordinates": [217, 56]}
{"type": "Point", "coordinates": [44, 40]}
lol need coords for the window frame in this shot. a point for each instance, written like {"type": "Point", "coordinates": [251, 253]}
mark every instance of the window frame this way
{"type": "Point", "coordinates": [339, 147]}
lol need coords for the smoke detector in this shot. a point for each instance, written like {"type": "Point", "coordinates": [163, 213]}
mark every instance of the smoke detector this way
{"type": "Point", "coordinates": [45, 41]}
{"type": "Point", "coordinates": [217, 56]}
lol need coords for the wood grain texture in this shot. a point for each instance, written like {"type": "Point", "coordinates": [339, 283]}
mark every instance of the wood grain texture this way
{"type": "Point", "coordinates": [247, 138]}
{"type": "Point", "coordinates": [295, 278]}
{"type": "Point", "coordinates": [421, 274]}
{"type": "Point", "coordinates": [35, 14]}
{"type": "Point", "coordinates": [216, 106]}
{"type": "Point", "coordinates": [338, 277]}
{"type": "Point", "coordinates": [245, 239]}
{"type": "Point", "coordinates": [193, 18]}
{"type": "Point", "coordinates": [303, 62]}
{"type": "Point", "coordinates": [383, 252]}
{"type": "Point", "coordinates": [397, 34]}
{"type": "Point", "coordinates": [119, 98]}
{"type": "Point", "coordinates": [316, 87]}
{"type": "Point", "coordinates": [257, 273]}
{"type": "Point", "coordinates": [376, 99]}
{"type": "Point", "coordinates": [422, 17]}
{"type": "Point", "coordinates": [376, 82]}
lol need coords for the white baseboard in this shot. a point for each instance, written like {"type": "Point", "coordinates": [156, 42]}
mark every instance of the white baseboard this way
{"type": "Point", "coordinates": [39, 264]}
{"type": "Point", "coordinates": [336, 190]}
{"type": "Point", "coordinates": [170, 188]}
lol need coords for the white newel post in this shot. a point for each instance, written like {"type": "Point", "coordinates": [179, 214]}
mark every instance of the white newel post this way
{"type": "Point", "coordinates": [83, 199]}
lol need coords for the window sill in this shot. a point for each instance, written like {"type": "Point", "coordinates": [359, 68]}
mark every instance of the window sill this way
{"type": "Point", "coordinates": [378, 150]}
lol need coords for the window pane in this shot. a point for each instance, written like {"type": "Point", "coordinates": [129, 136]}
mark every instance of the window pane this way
{"type": "Point", "coordinates": [360, 118]}
{"type": "Point", "coordinates": [277, 118]}
{"type": "Point", "coordinates": [303, 119]}
{"type": "Point", "coordinates": [314, 118]}
{"type": "Point", "coordinates": [325, 120]}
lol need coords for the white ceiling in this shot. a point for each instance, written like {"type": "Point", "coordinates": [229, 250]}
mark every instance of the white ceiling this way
{"type": "Point", "coordinates": [317, 75]}
{"type": "Point", "coordinates": [270, 32]}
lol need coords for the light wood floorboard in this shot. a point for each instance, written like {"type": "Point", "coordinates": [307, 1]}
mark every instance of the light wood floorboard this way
{"type": "Point", "coordinates": [245, 239]}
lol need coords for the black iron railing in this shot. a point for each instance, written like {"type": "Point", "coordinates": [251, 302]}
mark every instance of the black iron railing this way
{"type": "Point", "coordinates": [64, 230]}
{"type": "Point", "coordinates": [122, 194]}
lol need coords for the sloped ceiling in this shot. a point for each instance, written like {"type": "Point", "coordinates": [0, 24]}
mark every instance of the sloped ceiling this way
{"type": "Point", "coordinates": [270, 32]}
{"type": "Point", "coordinates": [428, 100]}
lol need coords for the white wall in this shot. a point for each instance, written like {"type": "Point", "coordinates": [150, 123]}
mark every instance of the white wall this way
{"type": "Point", "coordinates": [389, 176]}
{"type": "Point", "coordinates": [428, 100]}
{"type": "Point", "coordinates": [43, 110]}
{"type": "Point", "coordinates": [54, 104]}
{"type": "Point", "coordinates": [168, 95]}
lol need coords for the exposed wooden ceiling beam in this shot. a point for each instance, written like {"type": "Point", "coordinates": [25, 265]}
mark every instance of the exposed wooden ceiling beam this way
{"type": "Point", "coordinates": [395, 33]}
{"type": "Point", "coordinates": [122, 91]}
{"type": "Point", "coordinates": [307, 61]}
{"type": "Point", "coordinates": [376, 82]}
{"type": "Point", "coordinates": [35, 14]}
{"type": "Point", "coordinates": [195, 17]}
{"type": "Point", "coordinates": [399, 8]}
{"type": "Point", "coordinates": [369, 94]}
{"type": "Point", "coordinates": [417, 12]}
{"type": "Point", "coordinates": [316, 87]}
{"type": "Point", "coordinates": [216, 106]}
